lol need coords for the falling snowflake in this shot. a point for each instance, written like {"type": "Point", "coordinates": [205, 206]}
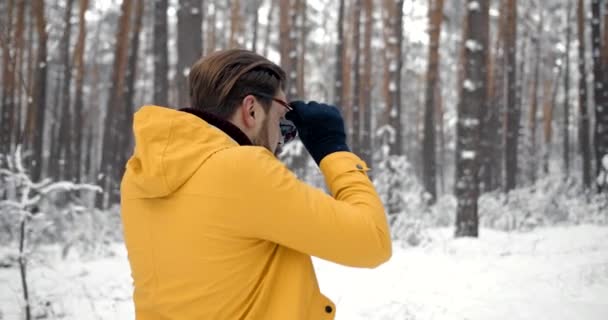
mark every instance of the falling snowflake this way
{"type": "Point", "coordinates": [473, 6]}
{"type": "Point", "coordinates": [469, 85]}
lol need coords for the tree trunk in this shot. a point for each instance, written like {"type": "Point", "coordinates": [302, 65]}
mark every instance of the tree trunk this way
{"type": "Point", "coordinates": [532, 120]}
{"type": "Point", "coordinates": [303, 30]}
{"type": "Point", "coordinates": [235, 26]}
{"type": "Point", "coordinates": [429, 145]}
{"type": "Point", "coordinates": [189, 44]}
{"type": "Point", "coordinates": [366, 103]}
{"type": "Point", "coordinates": [511, 121]}
{"type": "Point", "coordinates": [78, 99]}
{"type": "Point", "coordinates": [64, 143]}
{"type": "Point", "coordinates": [20, 85]}
{"type": "Point", "coordinates": [340, 56]}
{"type": "Point", "coordinates": [211, 30]}
{"type": "Point", "coordinates": [549, 106]}
{"type": "Point", "coordinates": [268, 27]}
{"type": "Point", "coordinates": [284, 8]}
{"type": "Point", "coordinates": [566, 131]}
{"type": "Point", "coordinates": [111, 170]}
{"type": "Point", "coordinates": [36, 112]}
{"type": "Point", "coordinates": [583, 129]}
{"type": "Point", "coordinates": [161, 52]}
{"type": "Point", "coordinates": [600, 81]}
{"type": "Point", "coordinates": [356, 136]}
{"type": "Point", "coordinates": [8, 83]}
{"type": "Point", "coordinates": [293, 56]}
{"type": "Point", "coordinates": [254, 27]}
{"type": "Point", "coordinates": [492, 130]}
{"type": "Point", "coordinates": [473, 95]}
{"type": "Point", "coordinates": [126, 120]}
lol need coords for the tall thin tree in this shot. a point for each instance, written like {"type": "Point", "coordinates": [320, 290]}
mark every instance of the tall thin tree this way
{"type": "Point", "coordinates": [512, 119]}
{"type": "Point", "coordinates": [356, 127]}
{"type": "Point", "coordinates": [161, 53]}
{"type": "Point", "coordinates": [566, 119]}
{"type": "Point", "coordinates": [429, 145]}
{"type": "Point", "coordinates": [338, 81]}
{"type": "Point", "coordinates": [110, 169]}
{"type": "Point", "coordinates": [79, 65]}
{"type": "Point", "coordinates": [583, 128]}
{"type": "Point", "coordinates": [473, 96]}
{"type": "Point", "coordinates": [189, 44]}
{"type": "Point", "coordinates": [366, 93]}
{"type": "Point", "coordinates": [36, 111]}
{"type": "Point", "coordinates": [600, 80]}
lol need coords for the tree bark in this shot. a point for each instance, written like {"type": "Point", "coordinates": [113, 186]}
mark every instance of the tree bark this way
{"type": "Point", "coordinates": [356, 136]}
{"type": "Point", "coordinates": [512, 119]}
{"type": "Point", "coordinates": [583, 129]}
{"type": "Point", "coordinates": [473, 96]}
{"type": "Point", "coordinates": [111, 170]}
{"type": "Point", "coordinates": [64, 143]}
{"type": "Point", "coordinates": [79, 99]}
{"type": "Point", "coordinates": [600, 87]}
{"type": "Point", "coordinates": [268, 27]}
{"type": "Point", "coordinates": [340, 52]}
{"type": "Point", "coordinates": [189, 44]}
{"type": "Point", "coordinates": [211, 30]}
{"type": "Point", "coordinates": [235, 23]}
{"type": "Point", "coordinates": [36, 112]}
{"type": "Point", "coordinates": [303, 32]}
{"type": "Point", "coordinates": [8, 82]}
{"type": "Point", "coordinates": [366, 103]}
{"type": "Point", "coordinates": [126, 120]}
{"type": "Point", "coordinates": [532, 120]}
{"type": "Point", "coordinates": [566, 131]}
{"type": "Point", "coordinates": [429, 143]}
{"type": "Point", "coordinates": [161, 53]}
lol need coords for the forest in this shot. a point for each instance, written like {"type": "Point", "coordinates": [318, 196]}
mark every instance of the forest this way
{"type": "Point", "coordinates": [472, 115]}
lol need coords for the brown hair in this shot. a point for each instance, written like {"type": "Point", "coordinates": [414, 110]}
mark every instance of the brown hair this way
{"type": "Point", "coordinates": [219, 81]}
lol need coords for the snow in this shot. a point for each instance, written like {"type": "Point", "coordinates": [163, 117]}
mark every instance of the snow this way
{"type": "Point", "coordinates": [470, 122]}
{"type": "Point", "coordinates": [473, 6]}
{"type": "Point", "coordinates": [553, 273]}
{"type": "Point", "coordinates": [467, 154]}
{"type": "Point", "coordinates": [473, 45]}
{"type": "Point", "coordinates": [469, 85]}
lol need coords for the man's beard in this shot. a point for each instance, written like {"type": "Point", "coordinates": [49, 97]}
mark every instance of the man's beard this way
{"type": "Point", "coordinates": [262, 139]}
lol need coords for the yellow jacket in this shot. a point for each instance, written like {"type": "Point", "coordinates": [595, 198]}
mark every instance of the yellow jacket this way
{"type": "Point", "coordinates": [216, 230]}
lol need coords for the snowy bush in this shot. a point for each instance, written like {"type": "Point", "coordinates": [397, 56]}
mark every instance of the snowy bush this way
{"type": "Point", "coordinates": [549, 201]}
{"type": "Point", "coordinates": [403, 197]}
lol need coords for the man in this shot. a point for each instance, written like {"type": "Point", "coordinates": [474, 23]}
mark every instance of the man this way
{"type": "Point", "coordinates": [216, 226]}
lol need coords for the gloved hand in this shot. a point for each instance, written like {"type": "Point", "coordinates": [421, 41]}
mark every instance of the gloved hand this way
{"type": "Point", "coordinates": [320, 127]}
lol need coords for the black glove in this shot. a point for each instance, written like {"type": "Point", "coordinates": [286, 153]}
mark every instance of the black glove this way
{"type": "Point", "coordinates": [320, 126]}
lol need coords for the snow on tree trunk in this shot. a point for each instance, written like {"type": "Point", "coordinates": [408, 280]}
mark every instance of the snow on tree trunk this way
{"type": "Point", "coordinates": [472, 100]}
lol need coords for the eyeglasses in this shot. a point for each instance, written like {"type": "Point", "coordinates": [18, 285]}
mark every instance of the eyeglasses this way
{"type": "Point", "coordinates": [288, 129]}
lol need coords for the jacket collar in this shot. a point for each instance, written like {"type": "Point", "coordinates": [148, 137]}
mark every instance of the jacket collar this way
{"type": "Point", "coordinates": [228, 128]}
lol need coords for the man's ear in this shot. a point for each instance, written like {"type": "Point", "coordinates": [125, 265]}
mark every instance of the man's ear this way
{"type": "Point", "coordinates": [248, 111]}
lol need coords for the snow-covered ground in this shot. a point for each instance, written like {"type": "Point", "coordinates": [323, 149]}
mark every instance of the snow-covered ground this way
{"type": "Point", "coordinates": [552, 273]}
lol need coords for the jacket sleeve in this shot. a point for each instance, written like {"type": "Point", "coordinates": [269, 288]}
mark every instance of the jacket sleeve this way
{"type": "Point", "coordinates": [270, 202]}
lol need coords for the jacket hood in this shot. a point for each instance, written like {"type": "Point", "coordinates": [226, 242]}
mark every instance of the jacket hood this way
{"type": "Point", "coordinates": [170, 145]}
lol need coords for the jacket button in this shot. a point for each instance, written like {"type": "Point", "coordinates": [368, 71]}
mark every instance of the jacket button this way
{"type": "Point", "coordinates": [328, 309]}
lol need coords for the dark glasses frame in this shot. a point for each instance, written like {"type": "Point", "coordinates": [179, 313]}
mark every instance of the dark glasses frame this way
{"type": "Point", "coordinates": [288, 129]}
